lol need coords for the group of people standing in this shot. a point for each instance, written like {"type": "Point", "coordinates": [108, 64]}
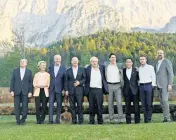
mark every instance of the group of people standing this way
{"type": "Point", "coordinates": [93, 81]}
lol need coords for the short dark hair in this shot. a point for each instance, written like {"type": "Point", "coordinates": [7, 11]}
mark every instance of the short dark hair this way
{"type": "Point", "coordinates": [143, 55]}
{"type": "Point", "coordinates": [111, 55]}
{"type": "Point", "coordinates": [128, 58]}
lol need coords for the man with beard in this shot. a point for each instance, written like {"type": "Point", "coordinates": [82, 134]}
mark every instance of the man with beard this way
{"type": "Point", "coordinates": [164, 79]}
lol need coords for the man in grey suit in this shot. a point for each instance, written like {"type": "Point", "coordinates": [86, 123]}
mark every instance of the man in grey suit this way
{"type": "Point", "coordinates": [164, 79]}
{"type": "Point", "coordinates": [114, 77]}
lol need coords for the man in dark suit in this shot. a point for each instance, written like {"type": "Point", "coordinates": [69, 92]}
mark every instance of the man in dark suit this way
{"type": "Point", "coordinates": [75, 79]}
{"type": "Point", "coordinates": [21, 89]}
{"type": "Point", "coordinates": [57, 84]}
{"type": "Point", "coordinates": [130, 91]}
{"type": "Point", "coordinates": [95, 86]}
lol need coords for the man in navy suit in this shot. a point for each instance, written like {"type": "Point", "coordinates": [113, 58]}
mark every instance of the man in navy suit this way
{"type": "Point", "coordinates": [21, 89]}
{"type": "Point", "coordinates": [95, 86]}
{"type": "Point", "coordinates": [75, 80]}
{"type": "Point", "coordinates": [57, 84]}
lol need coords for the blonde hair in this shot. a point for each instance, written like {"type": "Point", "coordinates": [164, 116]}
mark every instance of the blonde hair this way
{"type": "Point", "coordinates": [41, 62]}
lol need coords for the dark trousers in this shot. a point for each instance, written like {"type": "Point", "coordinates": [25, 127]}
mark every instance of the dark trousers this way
{"type": "Point", "coordinates": [130, 97]}
{"type": "Point", "coordinates": [96, 104]}
{"type": "Point", "coordinates": [41, 104]}
{"type": "Point", "coordinates": [76, 98]}
{"type": "Point", "coordinates": [21, 99]}
{"type": "Point", "coordinates": [58, 97]}
{"type": "Point", "coordinates": [146, 95]}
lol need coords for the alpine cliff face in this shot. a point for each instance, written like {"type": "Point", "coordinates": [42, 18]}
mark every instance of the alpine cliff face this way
{"type": "Point", "coordinates": [170, 26]}
{"type": "Point", "coordinates": [44, 21]}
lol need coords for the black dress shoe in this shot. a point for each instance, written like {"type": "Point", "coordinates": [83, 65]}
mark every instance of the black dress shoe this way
{"type": "Point", "coordinates": [18, 123]}
{"type": "Point", "coordinates": [50, 122]}
{"type": "Point", "coordinates": [22, 123]}
{"type": "Point", "coordinates": [147, 121]}
{"type": "Point", "coordinates": [165, 120]}
{"type": "Point", "coordinates": [38, 122]}
{"type": "Point", "coordinates": [91, 122]}
{"type": "Point", "coordinates": [57, 122]}
{"type": "Point", "coordinates": [120, 122]}
{"type": "Point", "coordinates": [80, 122]}
{"type": "Point", "coordinates": [100, 122]}
{"type": "Point", "coordinates": [74, 122]}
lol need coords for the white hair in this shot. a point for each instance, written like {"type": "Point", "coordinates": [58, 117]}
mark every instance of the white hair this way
{"type": "Point", "coordinates": [74, 58]}
{"type": "Point", "coordinates": [57, 55]}
{"type": "Point", "coordinates": [93, 58]}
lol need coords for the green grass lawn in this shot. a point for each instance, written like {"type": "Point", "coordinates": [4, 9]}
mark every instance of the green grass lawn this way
{"type": "Point", "coordinates": [31, 131]}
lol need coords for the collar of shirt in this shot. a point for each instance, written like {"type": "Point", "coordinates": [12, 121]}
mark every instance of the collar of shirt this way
{"type": "Point", "coordinates": [57, 66]}
{"type": "Point", "coordinates": [160, 61]}
{"type": "Point", "coordinates": [146, 65]}
{"type": "Point", "coordinates": [98, 68]}
{"type": "Point", "coordinates": [112, 64]}
{"type": "Point", "coordinates": [75, 68]}
{"type": "Point", "coordinates": [129, 69]}
{"type": "Point", "coordinates": [22, 69]}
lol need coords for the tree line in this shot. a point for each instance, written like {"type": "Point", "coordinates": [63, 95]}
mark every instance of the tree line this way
{"type": "Point", "coordinates": [100, 44]}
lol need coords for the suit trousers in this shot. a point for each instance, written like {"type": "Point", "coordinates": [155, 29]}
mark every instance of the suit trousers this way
{"type": "Point", "coordinates": [76, 101]}
{"type": "Point", "coordinates": [163, 96]}
{"type": "Point", "coordinates": [23, 100]}
{"type": "Point", "coordinates": [96, 104]}
{"type": "Point", "coordinates": [130, 97]}
{"type": "Point", "coordinates": [146, 95]}
{"type": "Point", "coordinates": [52, 97]}
{"type": "Point", "coordinates": [115, 91]}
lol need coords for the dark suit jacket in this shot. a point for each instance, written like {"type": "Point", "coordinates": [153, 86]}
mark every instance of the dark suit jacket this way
{"type": "Point", "coordinates": [18, 86]}
{"type": "Point", "coordinates": [88, 76]}
{"type": "Point", "coordinates": [81, 77]}
{"type": "Point", "coordinates": [132, 83]}
{"type": "Point", "coordinates": [57, 84]}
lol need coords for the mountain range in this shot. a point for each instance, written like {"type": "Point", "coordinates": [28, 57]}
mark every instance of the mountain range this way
{"type": "Point", "coordinates": [41, 22]}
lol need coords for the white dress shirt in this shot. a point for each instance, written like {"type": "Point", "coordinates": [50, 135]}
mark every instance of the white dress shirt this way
{"type": "Point", "coordinates": [22, 72]}
{"type": "Point", "coordinates": [95, 79]}
{"type": "Point", "coordinates": [159, 64]}
{"type": "Point", "coordinates": [75, 71]}
{"type": "Point", "coordinates": [128, 73]}
{"type": "Point", "coordinates": [113, 75]}
{"type": "Point", "coordinates": [56, 69]}
{"type": "Point", "coordinates": [147, 74]}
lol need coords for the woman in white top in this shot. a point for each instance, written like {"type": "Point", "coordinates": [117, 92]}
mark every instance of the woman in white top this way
{"type": "Point", "coordinates": [41, 84]}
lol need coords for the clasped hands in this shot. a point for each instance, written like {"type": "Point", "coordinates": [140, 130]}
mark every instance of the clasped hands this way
{"type": "Point", "coordinates": [76, 83]}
